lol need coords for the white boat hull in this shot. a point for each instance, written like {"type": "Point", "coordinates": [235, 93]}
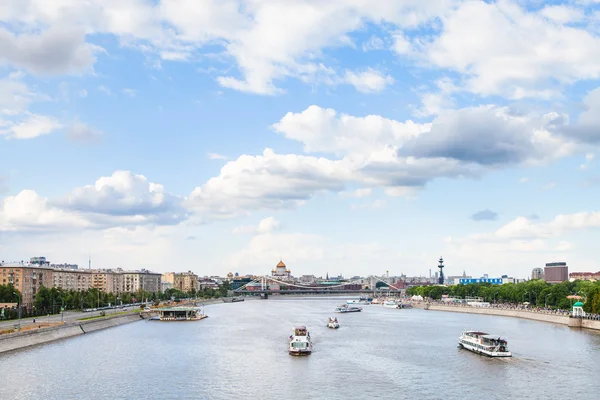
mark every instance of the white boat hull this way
{"type": "Point", "coordinates": [333, 325]}
{"type": "Point", "coordinates": [484, 352]}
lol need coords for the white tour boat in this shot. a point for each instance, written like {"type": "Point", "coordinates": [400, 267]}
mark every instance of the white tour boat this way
{"type": "Point", "coordinates": [362, 300]}
{"type": "Point", "coordinates": [390, 304]}
{"type": "Point", "coordinates": [333, 323]}
{"type": "Point", "coordinates": [300, 343]}
{"type": "Point", "coordinates": [345, 308]}
{"type": "Point", "coordinates": [484, 343]}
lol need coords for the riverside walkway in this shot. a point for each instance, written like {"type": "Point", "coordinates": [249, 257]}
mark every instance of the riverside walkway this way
{"type": "Point", "coordinates": [562, 317]}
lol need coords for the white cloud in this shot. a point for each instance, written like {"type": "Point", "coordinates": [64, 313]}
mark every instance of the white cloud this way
{"type": "Point", "coordinates": [515, 53]}
{"type": "Point", "coordinates": [363, 192]}
{"type": "Point", "coordinates": [83, 93]}
{"type": "Point", "coordinates": [523, 241]}
{"type": "Point", "coordinates": [588, 159]}
{"type": "Point", "coordinates": [376, 204]}
{"type": "Point", "coordinates": [368, 81]}
{"type": "Point", "coordinates": [374, 43]}
{"type": "Point", "coordinates": [121, 200]}
{"type": "Point", "coordinates": [80, 132]}
{"type": "Point", "coordinates": [31, 127]}
{"type": "Point", "coordinates": [16, 121]}
{"type": "Point", "coordinates": [266, 225]}
{"type": "Point", "coordinates": [323, 130]}
{"type": "Point", "coordinates": [216, 156]}
{"type": "Point", "coordinates": [104, 90]}
{"type": "Point", "coordinates": [562, 14]}
{"type": "Point", "coordinates": [58, 50]}
{"type": "Point", "coordinates": [129, 92]}
{"type": "Point", "coordinates": [267, 40]}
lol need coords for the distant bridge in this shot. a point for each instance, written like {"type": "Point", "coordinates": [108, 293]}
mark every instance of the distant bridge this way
{"type": "Point", "coordinates": [296, 288]}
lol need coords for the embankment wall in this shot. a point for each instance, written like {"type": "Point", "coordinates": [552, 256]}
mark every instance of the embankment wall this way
{"type": "Point", "coordinates": [21, 340]}
{"type": "Point", "coordinates": [556, 319]}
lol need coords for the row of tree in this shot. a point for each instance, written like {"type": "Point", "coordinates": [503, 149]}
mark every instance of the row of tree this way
{"type": "Point", "coordinates": [54, 300]}
{"type": "Point", "coordinates": [536, 292]}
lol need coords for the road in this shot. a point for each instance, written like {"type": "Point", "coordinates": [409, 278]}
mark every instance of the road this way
{"type": "Point", "coordinates": [69, 318]}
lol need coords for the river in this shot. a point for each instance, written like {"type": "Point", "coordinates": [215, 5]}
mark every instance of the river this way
{"type": "Point", "coordinates": [240, 351]}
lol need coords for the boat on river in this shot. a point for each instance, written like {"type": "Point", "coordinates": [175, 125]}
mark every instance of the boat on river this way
{"type": "Point", "coordinates": [232, 299]}
{"type": "Point", "coordinates": [396, 304]}
{"type": "Point", "coordinates": [345, 308]}
{"type": "Point", "coordinates": [300, 342]}
{"type": "Point", "coordinates": [362, 300]}
{"type": "Point", "coordinates": [484, 343]}
{"type": "Point", "coordinates": [333, 323]}
{"type": "Point", "coordinates": [390, 304]}
{"type": "Point", "coordinates": [180, 314]}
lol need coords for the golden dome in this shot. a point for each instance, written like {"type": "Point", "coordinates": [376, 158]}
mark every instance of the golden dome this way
{"type": "Point", "coordinates": [281, 264]}
{"type": "Point", "coordinates": [288, 271]}
{"type": "Point", "coordinates": [229, 275]}
{"type": "Point", "coordinates": [273, 271]}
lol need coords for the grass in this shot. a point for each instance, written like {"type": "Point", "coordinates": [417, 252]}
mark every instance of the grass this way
{"type": "Point", "coordinates": [108, 315]}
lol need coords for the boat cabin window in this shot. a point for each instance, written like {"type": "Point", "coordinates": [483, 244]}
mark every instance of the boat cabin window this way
{"type": "Point", "coordinates": [299, 345]}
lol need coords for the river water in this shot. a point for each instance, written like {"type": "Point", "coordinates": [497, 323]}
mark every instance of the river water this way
{"type": "Point", "coordinates": [240, 352]}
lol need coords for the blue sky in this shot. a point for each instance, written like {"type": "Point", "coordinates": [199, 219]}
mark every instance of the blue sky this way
{"type": "Point", "coordinates": [349, 138]}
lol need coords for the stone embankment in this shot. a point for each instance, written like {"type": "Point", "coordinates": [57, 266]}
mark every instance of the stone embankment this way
{"type": "Point", "coordinates": [536, 316]}
{"type": "Point", "coordinates": [29, 338]}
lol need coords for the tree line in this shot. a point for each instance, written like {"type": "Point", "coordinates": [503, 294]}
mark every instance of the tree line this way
{"type": "Point", "coordinates": [54, 300]}
{"type": "Point", "coordinates": [537, 292]}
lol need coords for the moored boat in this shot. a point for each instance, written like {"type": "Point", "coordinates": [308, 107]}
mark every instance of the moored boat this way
{"type": "Point", "coordinates": [180, 314]}
{"type": "Point", "coordinates": [333, 323]}
{"type": "Point", "coordinates": [484, 343]}
{"type": "Point", "coordinates": [390, 304]}
{"type": "Point", "coordinates": [345, 308]}
{"type": "Point", "coordinates": [300, 342]}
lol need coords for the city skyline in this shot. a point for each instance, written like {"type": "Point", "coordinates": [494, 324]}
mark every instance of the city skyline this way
{"type": "Point", "coordinates": [368, 137]}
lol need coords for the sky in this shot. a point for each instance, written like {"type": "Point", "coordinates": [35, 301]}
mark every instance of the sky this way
{"type": "Point", "coordinates": [347, 137]}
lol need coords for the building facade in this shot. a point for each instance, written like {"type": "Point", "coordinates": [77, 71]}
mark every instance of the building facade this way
{"type": "Point", "coordinates": [493, 281]}
{"type": "Point", "coordinates": [281, 272]}
{"type": "Point", "coordinates": [537, 273]}
{"type": "Point", "coordinates": [556, 272]}
{"type": "Point", "coordinates": [584, 276]}
{"type": "Point", "coordinates": [27, 279]}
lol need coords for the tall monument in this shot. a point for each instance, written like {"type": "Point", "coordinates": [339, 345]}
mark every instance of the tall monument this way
{"type": "Point", "coordinates": [441, 267]}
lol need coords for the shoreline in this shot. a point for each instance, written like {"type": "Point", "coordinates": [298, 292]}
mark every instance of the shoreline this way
{"type": "Point", "coordinates": [523, 314]}
{"type": "Point", "coordinates": [20, 340]}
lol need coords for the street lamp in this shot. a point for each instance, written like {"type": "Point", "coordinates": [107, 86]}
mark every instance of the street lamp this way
{"type": "Point", "coordinates": [18, 309]}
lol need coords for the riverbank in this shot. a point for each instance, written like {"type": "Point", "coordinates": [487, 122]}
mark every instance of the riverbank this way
{"type": "Point", "coordinates": [536, 316]}
{"type": "Point", "coordinates": [58, 331]}
{"type": "Point", "coordinates": [33, 337]}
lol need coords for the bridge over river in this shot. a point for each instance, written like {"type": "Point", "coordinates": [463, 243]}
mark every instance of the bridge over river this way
{"type": "Point", "coordinates": [293, 288]}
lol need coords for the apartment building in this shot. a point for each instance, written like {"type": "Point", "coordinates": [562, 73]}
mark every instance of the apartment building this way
{"type": "Point", "coordinates": [27, 279]}
{"type": "Point", "coordinates": [184, 281]}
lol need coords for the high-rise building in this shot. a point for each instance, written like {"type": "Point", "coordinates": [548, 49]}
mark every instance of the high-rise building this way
{"type": "Point", "coordinates": [556, 272]}
{"type": "Point", "coordinates": [537, 273]}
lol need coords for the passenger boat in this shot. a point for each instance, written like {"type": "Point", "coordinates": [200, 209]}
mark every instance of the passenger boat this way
{"type": "Point", "coordinates": [362, 300]}
{"type": "Point", "coordinates": [180, 314]}
{"type": "Point", "coordinates": [396, 304]}
{"type": "Point", "coordinates": [390, 304]}
{"type": "Point", "coordinates": [484, 343]}
{"type": "Point", "coordinates": [300, 343]}
{"type": "Point", "coordinates": [333, 323]}
{"type": "Point", "coordinates": [232, 299]}
{"type": "Point", "coordinates": [345, 308]}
